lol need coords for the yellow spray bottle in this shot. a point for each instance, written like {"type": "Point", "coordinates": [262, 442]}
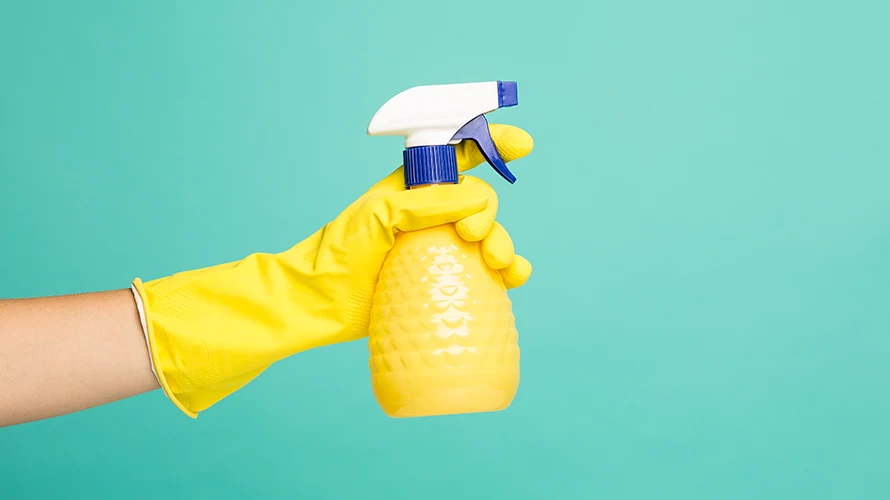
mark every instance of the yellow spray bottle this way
{"type": "Point", "coordinates": [442, 335]}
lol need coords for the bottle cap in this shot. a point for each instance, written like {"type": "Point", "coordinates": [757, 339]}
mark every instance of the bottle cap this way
{"type": "Point", "coordinates": [430, 165]}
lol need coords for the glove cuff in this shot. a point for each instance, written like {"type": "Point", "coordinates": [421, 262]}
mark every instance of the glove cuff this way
{"type": "Point", "coordinates": [156, 368]}
{"type": "Point", "coordinates": [141, 310]}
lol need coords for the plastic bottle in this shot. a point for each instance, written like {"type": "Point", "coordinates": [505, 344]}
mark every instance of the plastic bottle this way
{"type": "Point", "coordinates": [442, 334]}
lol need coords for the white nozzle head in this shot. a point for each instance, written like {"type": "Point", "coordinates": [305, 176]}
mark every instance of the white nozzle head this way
{"type": "Point", "coordinates": [430, 115]}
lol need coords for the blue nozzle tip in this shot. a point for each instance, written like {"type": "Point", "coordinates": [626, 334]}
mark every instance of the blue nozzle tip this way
{"type": "Point", "coordinates": [507, 95]}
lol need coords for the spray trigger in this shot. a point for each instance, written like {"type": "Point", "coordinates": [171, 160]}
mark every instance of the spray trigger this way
{"type": "Point", "coordinates": [477, 131]}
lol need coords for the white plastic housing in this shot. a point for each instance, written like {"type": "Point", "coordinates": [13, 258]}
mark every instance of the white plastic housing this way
{"type": "Point", "coordinates": [430, 115]}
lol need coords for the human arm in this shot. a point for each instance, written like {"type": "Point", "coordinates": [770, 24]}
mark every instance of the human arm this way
{"type": "Point", "coordinates": [68, 353]}
{"type": "Point", "coordinates": [211, 331]}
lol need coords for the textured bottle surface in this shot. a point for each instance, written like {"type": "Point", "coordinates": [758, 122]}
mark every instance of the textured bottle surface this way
{"type": "Point", "coordinates": [443, 338]}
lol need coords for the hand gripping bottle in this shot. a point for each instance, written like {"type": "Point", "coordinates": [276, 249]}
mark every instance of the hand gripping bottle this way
{"type": "Point", "coordinates": [442, 335]}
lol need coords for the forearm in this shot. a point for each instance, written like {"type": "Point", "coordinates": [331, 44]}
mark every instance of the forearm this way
{"type": "Point", "coordinates": [63, 354]}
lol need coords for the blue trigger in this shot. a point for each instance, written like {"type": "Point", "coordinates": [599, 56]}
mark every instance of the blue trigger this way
{"type": "Point", "coordinates": [477, 131]}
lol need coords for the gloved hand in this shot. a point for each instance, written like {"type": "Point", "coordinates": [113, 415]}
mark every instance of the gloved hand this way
{"type": "Point", "coordinates": [211, 331]}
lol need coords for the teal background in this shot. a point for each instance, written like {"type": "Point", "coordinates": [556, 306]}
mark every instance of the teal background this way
{"type": "Point", "coordinates": [706, 210]}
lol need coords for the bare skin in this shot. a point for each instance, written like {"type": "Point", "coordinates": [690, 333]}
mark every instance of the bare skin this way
{"type": "Point", "coordinates": [64, 354]}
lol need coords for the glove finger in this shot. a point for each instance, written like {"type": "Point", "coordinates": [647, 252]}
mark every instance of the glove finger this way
{"type": "Point", "coordinates": [511, 142]}
{"type": "Point", "coordinates": [412, 210]}
{"type": "Point", "coordinates": [517, 273]}
{"type": "Point", "coordinates": [497, 248]}
{"type": "Point", "coordinates": [477, 226]}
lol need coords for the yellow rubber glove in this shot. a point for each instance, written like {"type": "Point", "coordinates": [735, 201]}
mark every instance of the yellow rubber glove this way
{"type": "Point", "coordinates": [211, 331]}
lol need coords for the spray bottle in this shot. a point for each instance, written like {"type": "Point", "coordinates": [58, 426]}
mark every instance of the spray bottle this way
{"type": "Point", "coordinates": [443, 338]}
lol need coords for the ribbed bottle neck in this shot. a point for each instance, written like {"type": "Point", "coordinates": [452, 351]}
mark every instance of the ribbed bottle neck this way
{"type": "Point", "coordinates": [430, 165]}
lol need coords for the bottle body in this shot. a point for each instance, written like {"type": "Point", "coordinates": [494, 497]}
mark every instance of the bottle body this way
{"type": "Point", "coordinates": [442, 338]}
